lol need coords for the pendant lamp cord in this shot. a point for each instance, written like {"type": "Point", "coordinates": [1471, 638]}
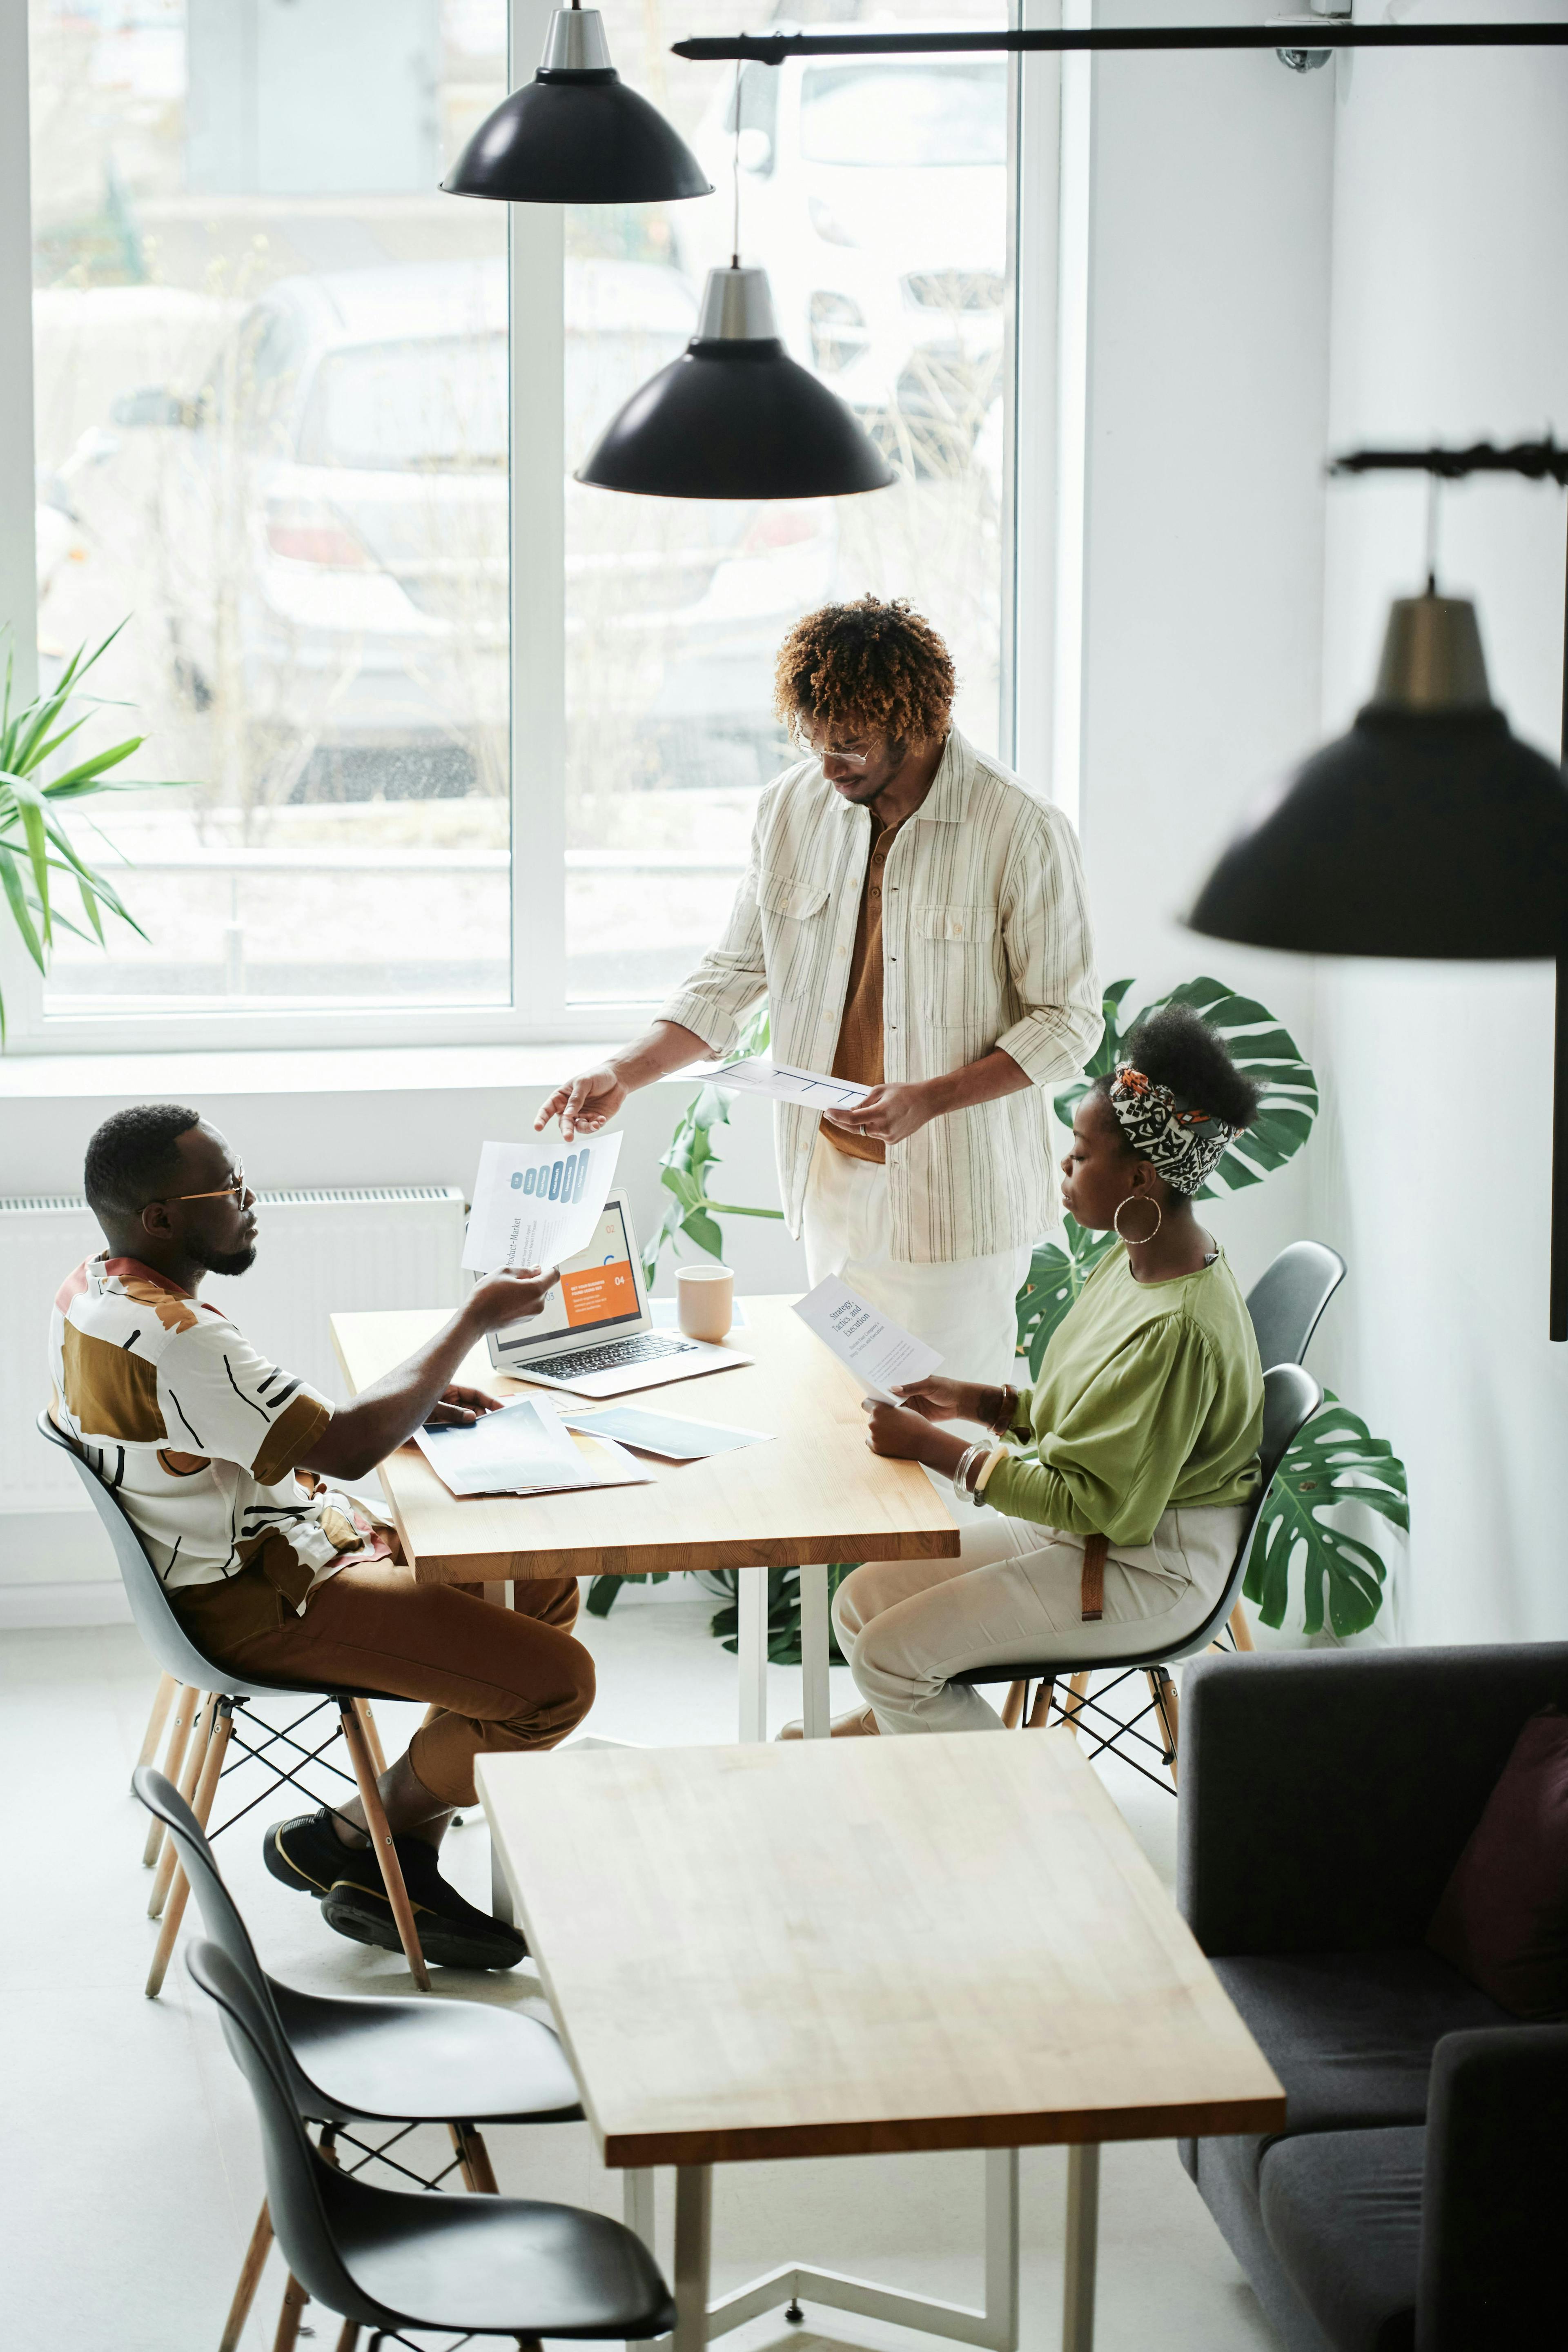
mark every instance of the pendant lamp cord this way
{"type": "Point", "coordinates": [1434, 492]}
{"type": "Point", "coordinates": [735, 176]}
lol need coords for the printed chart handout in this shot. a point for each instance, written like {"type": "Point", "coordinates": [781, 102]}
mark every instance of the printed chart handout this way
{"type": "Point", "coordinates": [536, 1203]}
{"type": "Point", "coordinates": [878, 1351]}
{"type": "Point", "coordinates": [778, 1083]}
{"type": "Point", "coordinates": [662, 1434]}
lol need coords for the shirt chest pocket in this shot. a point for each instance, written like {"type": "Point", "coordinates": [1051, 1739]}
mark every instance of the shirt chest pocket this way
{"type": "Point", "coordinates": [794, 932]}
{"type": "Point", "coordinates": [955, 965]}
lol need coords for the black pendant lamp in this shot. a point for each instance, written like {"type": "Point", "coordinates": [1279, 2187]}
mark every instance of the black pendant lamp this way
{"type": "Point", "coordinates": [1429, 830]}
{"type": "Point", "coordinates": [576, 134]}
{"type": "Point", "coordinates": [735, 416]}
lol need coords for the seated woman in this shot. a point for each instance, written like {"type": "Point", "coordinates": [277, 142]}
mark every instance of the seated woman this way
{"type": "Point", "coordinates": [1144, 1426]}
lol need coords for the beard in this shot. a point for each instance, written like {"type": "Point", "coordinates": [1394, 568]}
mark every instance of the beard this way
{"type": "Point", "coordinates": [239, 1261]}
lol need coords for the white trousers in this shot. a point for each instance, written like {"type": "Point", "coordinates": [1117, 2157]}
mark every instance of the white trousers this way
{"type": "Point", "coordinates": [965, 1309]}
{"type": "Point", "coordinates": [1014, 1595]}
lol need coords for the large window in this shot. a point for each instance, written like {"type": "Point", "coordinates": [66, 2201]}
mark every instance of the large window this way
{"type": "Point", "coordinates": [285, 425]}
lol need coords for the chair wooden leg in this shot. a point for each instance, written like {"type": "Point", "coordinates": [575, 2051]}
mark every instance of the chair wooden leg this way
{"type": "Point", "coordinates": [163, 1698]}
{"type": "Point", "coordinates": [1163, 1691]}
{"type": "Point", "coordinates": [349, 2336]}
{"type": "Point", "coordinates": [294, 2301]}
{"type": "Point", "coordinates": [1040, 1713]}
{"type": "Point", "coordinates": [380, 1841]}
{"type": "Point", "coordinates": [201, 1733]}
{"type": "Point", "coordinates": [187, 1706]}
{"type": "Point", "coordinates": [1012, 1705]}
{"type": "Point", "coordinates": [201, 1805]}
{"type": "Point", "coordinates": [373, 1737]}
{"type": "Point", "coordinates": [474, 2159]}
{"type": "Point", "coordinates": [1078, 1686]}
{"type": "Point", "coordinates": [1240, 1631]}
{"type": "Point", "coordinates": [250, 2272]}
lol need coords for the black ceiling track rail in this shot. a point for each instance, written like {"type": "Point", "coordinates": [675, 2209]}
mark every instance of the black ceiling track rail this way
{"type": "Point", "coordinates": [1300, 32]}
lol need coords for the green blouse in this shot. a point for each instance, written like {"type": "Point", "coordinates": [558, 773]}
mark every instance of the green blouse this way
{"type": "Point", "coordinates": [1150, 1398]}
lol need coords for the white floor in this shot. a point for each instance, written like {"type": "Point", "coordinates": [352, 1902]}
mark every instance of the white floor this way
{"type": "Point", "coordinates": [130, 2174]}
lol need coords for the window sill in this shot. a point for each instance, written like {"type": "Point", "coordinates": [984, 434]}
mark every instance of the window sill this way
{"type": "Point", "coordinates": [327, 1070]}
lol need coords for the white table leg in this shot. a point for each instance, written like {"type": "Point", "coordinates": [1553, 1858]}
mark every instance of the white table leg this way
{"type": "Point", "coordinates": [814, 1640]}
{"type": "Point", "coordinates": [637, 2190]}
{"type": "Point", "coordinates": [1083, 2225]}
{"type": "Point", "coordinates": [1001, 2246]}
{"type": "Point", "coordinates": [752, 1650]}
{"type": "Point", "coordinates": [693, 2254]}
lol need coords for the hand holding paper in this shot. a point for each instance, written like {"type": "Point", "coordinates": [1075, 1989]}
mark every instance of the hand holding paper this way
{"type": "Point", "coordinates": [877, 1351]}
{"type": "Point", "coordinates": [778, 1083]}
{"type": "Point", "coordinates": [536, 1203]}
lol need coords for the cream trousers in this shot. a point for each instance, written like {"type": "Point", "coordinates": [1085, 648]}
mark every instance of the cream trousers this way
{"type": "Point", "coordinates": [965, 1309]}
{"type": "Point", "coordinates": [907, 1625]}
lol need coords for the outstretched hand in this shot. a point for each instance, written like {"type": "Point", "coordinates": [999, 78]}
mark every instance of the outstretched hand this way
{"type": "Point", "coordinates": [460, 1408]}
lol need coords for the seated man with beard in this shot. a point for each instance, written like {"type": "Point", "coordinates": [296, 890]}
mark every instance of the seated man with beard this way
{"type": "Point", "coordinates": [224, 1463]}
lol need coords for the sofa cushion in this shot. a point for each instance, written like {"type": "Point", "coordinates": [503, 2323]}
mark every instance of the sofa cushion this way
{"type": "Point", "coordinates": [1342, 2212]}
{"type": "Point", "coordinates": [1503, 1918]}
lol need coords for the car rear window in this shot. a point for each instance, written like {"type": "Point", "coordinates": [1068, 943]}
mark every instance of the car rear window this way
{"type": "Point", "coordinates": [437, 405]}
{"type": "Point", "coordinates": [894, 115]}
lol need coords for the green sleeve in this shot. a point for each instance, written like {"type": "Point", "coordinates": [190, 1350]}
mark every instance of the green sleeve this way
{"type": "Point", "coordinates": [1110, 1466]}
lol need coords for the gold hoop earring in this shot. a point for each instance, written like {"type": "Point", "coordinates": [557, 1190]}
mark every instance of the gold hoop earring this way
{"type": "Point", "coordinates": [1144, 1239]}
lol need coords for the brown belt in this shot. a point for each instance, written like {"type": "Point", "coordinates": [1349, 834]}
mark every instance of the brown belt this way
{"type": "Point", "coordinates": [1091, 1592]}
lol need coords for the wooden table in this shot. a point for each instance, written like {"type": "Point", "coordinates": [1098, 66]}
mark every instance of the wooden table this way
{"type": "Point", "coordinates": [937, 1942]}
{"type": "Point", "coordinates": [814, 1495]}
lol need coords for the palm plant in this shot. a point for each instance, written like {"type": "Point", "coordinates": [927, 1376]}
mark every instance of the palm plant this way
{"type": "Point", "coordinates": [34, 844]}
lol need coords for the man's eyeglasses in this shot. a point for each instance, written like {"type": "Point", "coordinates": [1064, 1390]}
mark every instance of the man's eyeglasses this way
{"type": "Point", "coordinates": [846, 757]}
{"type": "Point", "coordinates": [233, 1191]}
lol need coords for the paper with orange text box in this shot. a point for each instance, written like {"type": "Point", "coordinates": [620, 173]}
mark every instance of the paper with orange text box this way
{"type": "Point", "coordinates": [878, 1352]}
{"type": "Point", "coordinates": [536, 1203]}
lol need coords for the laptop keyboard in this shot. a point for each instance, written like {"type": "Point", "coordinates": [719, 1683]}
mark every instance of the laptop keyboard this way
{"type": "Point", "coordinates": [644, 1348]}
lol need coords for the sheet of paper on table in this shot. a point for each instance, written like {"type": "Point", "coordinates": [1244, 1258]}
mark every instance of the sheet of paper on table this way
{"type": "Point", "coordinates": [663, 1434]}
{"type": "Point", "coordinates": [521, 1450]}
{"type": "Point", "coordinates": [536, 1203]}
{"type": "Point", "coordinates": [779, 1082]}
{"type": "Point", "coordinates": [879, 1352]}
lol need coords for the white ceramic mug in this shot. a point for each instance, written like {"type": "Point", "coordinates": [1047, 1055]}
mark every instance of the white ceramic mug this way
{"type": "Point", "coordinates": [705, 1300]}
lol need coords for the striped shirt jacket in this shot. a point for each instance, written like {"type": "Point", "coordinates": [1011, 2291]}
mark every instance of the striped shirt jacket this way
{"type": "Point", "coordinates": [985, 942]}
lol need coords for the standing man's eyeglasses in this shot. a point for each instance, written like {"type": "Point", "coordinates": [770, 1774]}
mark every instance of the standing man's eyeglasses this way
{"type": "Point", "coordinates": [845, 758]}
{"type": "Point", "coordinates": [233, 1191]}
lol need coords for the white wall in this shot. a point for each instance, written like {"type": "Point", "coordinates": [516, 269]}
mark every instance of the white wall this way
{"type": "Point", "coordinates": [1450, 323]}
{"type": "Point", "coordinates": [1210, 207]}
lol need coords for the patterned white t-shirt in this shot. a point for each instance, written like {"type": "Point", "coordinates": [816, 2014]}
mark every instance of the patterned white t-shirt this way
{"type": "Point", "coordinates": [198, 1434]}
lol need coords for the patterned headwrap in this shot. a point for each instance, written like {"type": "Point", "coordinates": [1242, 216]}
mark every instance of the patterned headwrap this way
{"type": "Point", "coordinates": [1184, 1144]}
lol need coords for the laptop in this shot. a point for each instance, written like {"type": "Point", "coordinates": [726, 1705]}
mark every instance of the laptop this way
{"type": "Point", "coordinates": [595, 1336]}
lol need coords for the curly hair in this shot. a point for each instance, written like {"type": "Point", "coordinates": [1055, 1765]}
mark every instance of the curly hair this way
{"type": "Point", "coordinates": [132, 1155]}
{"type": "Point", "coordinates": [1177, 1048]}
{"type": "Point", "coordinates": [868, 665]}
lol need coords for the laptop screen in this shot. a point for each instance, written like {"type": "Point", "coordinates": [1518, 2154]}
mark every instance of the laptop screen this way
{"type": "Point", "coordinates": [598, 1292]}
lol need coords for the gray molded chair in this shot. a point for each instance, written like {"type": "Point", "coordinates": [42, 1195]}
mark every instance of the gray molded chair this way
{"type": "Point", "coordinates": [1290, 1397]}
{"type": "Point", "coordinates": [226, 1696]}
{"type": "Point", "coordinates": [1286, 1301]}
{"type": "Point", "coordinates": [347, 2061]}
{"type": "Point", "coordinates": [387, 2260]}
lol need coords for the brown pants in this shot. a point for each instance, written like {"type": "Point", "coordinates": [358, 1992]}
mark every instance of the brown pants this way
{"type": "Point", "coordinates": [496, 1679]}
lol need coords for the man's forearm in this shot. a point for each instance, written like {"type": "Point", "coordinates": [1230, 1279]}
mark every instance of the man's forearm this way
{"type": "Point", "coordinates": [363, 1433]}
{"type": "Point", "coordinates": [995, 1075]}
{"type": "Point", "coordinates": [665, 1047]}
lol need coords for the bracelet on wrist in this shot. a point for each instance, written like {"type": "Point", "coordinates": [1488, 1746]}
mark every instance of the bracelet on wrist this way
{"type": "Point", "coordinates": [1007, 1410]}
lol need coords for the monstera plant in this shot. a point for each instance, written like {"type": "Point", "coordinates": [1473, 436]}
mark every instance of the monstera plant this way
{"type": "Point", "coordinates": [1335, 1459]}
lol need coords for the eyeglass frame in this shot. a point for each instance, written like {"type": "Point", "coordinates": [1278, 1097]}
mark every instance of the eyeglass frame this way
{"type": "Point", "coordinates": [224, 1192]}
{"type": "Point", "coordinates": [861, 760]}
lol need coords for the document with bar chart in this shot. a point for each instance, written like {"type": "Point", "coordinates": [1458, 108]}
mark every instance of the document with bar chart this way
{"type": "Point", "coordinates": [536, 1203]}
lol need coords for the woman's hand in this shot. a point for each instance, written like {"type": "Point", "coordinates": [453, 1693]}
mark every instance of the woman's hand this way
{"type": "Point", "coordinates": [904, 1436]}
{"type": "Point", "coordinates": [939, 1398]}
{"type": "Point", "coordinates": [887, 1114]}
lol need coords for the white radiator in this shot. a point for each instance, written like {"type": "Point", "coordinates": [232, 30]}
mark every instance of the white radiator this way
{"type": "Point", "coordinates": [319, 1254]}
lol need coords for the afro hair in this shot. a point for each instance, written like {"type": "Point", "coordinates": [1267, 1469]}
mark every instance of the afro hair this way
{"type": "Point", "coordinates": [1177, 1049]}
{"type": "Point", "coordinates": [132, 1156]}
{"type": "Point", "coordinates": [866, 665]}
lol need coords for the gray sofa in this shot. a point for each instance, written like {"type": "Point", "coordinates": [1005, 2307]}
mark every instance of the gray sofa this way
{"type": "Point", "coordinates": [1417, 2198]}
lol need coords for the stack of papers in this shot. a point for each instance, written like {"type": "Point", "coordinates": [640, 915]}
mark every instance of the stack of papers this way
{"type": "Point", "coordinates": [663, 1434]}
{"type": "Point", "coordinates": [521, 1450]}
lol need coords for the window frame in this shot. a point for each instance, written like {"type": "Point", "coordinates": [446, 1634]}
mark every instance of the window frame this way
{"type": "Point", "coordinates": [539, 1011]}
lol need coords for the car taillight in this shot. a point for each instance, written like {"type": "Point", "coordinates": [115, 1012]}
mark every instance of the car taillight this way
{"type": "Point", "coordinates": [307, 531]}
{"type": "Point", "coordinates": [778, 526]}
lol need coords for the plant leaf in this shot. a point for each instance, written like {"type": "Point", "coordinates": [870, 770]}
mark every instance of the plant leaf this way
{"type": "Point", "coordinates": [1054, 1285]}
{"type": "Point", "coordinates": [1335, 1459]}
{"type": "Point", "coordinates": [11, 881]}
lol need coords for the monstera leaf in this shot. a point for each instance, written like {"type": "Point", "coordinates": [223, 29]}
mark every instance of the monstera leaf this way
{"type": "Point", "coordinates": [1335, 1459]}
{"type": "Point", "coordinates": [1268, 1054]}
{"type": "Point", "coordinates": [1057, 1272]}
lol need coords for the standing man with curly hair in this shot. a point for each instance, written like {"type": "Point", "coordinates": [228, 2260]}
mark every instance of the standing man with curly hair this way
{"type": "Point", "coordinates": [916, 916]}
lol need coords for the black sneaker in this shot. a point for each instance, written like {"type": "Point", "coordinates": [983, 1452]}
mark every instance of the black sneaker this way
{"type": "Point", "coordinates": [307, 1854]}
{"type": "Point", "coordinates": [452, 1933]}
